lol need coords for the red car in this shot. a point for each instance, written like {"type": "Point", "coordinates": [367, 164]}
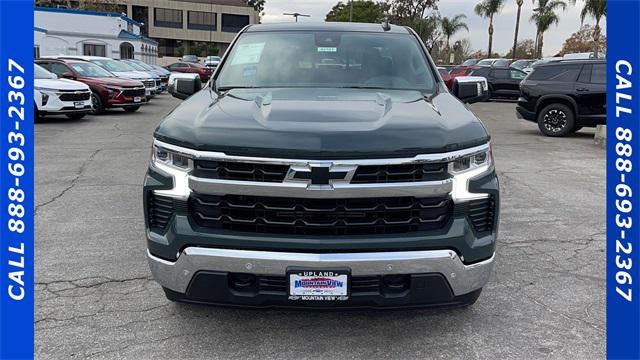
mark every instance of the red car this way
{"type": "Point", "coordinates": [107, 90]}
{"type": "Point", "coordinates": [187, 67]}
{"type": "Point", "coordinates": [458, 71]}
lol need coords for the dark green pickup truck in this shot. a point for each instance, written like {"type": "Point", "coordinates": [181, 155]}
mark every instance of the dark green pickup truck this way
{"type": "Point", "coordinates": [323, 166]}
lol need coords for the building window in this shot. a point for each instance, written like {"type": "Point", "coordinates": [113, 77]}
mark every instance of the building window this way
{"type": "Point", "coordinates": [141, 15]}
{"type": "Point", "coordinates": [199, 20]}
{"type": "Point", "coordinates": [94, 50]}
{"type": "Point", "coordinates": [167, 18]}
{"type": "Point", "coordinates": [126, 51]}
{"type": "Point", "coordinates": [234, 23]}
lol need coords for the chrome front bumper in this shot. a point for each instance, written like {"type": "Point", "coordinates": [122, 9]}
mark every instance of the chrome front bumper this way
{"type": "Point", "coordinates": [462, 278]}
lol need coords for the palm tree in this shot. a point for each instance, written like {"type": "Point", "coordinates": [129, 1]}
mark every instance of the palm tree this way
{"type": "Point", "coordinates": [597, 9]}
{"type": "Point", "coordinates": [515, 36]}
{"type": "Point", "coordinates": [487, 9]}
{"type": "Point", "coordinates": [544, 15]}
{"type": "Point", "coordinates": [450, 26]}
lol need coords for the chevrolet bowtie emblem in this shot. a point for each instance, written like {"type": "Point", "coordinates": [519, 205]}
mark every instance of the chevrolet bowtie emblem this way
{"type": "Point", "coordinates": [319, 174]}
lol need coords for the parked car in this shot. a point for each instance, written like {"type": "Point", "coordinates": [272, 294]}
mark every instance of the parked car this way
{"type": "Point", "coordinates": [564, 96]}
{"type": "Point", "coordinates": [470, 62]}
{"type": "Point", "coordinates": [448, 80]}
{"type": "Point", "coordinates": [53, 96]}
{"type": "Point", "coordinates": [458, 71]}
{"type": "Point", "coordinates": [107, 90]}
{"type": "Point", "coordinates": [284, 183]}
{"type": "Point", "coordinates": [582, 56]}
{"type": "Point", "coordinates": [161, 77]}
{"type": "Point", "coordinates": [120, 69]}
{"type": "Point", "coordinates": [185, 67]}
{"type": "Point", "coordinates": [190, 59]}
{"type": "Point", "coordinates": [212, 61]}
{"type": "Point", "coordinates": [503, 82]}
{"type": "Point", "coordinates": [522, 64]}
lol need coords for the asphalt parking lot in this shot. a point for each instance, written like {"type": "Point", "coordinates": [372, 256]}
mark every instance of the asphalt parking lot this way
{"type": "Point", "coordinates": [95, 298]}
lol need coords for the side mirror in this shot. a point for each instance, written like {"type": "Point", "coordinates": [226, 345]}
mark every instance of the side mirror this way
{"type": "Point", "coordinates": [183, 85]}
{"type": "Point", "coordinates": [68, 75]}
{"type": "Point", "coordinates": [471, 89]}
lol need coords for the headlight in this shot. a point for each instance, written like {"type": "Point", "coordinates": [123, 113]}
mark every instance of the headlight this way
{"type": "Point", "coordinates": [471, 162]}
{"type": "Point", "coordinates": [113, 90]}
{"type": "Point", "coordinates": [161, 155]}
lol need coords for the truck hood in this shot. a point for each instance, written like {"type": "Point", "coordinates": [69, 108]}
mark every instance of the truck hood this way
{"type": "Point", "coordinates": [322, 123]}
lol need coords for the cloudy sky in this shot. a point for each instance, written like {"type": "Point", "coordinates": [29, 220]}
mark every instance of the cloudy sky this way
{"type": "Point", "coordinates": [504, 23]}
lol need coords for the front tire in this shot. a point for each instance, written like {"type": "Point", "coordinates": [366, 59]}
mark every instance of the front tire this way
{"type": "Point", "coordinates": [556, 120]}
{"type": "Point", "coordinates": [131, 109]}
{"type": "Point", "coordinates": [96, 102]}
{"type": "Point", "coordinates": [75, 116]}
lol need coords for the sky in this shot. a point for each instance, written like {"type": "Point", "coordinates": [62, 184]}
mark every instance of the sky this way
{"type": "Point", "coordinates": [504, 23]}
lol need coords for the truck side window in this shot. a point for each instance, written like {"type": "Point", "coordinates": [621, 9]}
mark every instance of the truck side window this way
{"type": "Point", "coordinates": [585, 75]}
{"type": "Point", "coordinates": [598, 74]}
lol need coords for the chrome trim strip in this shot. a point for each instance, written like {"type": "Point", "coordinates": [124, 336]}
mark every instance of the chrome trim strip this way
{"type": "Point", "coordinates": [462, 278]}
{"type": "Point", "coordinates": [424, 158]}
{"type": "Point", "coordinates": [333, 191]}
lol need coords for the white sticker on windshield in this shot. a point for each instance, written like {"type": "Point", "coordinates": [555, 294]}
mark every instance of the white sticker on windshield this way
{"type": "Point", "coordinates": [327, 49]}
{"type": "Point", "coordinates": [248, 54]}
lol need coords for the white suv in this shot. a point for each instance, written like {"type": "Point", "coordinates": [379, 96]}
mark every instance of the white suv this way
{"type": "Point", "coordinates": [55, 96]}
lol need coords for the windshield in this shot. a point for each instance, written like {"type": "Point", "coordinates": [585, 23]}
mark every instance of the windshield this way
{"type": "Point", "coordinates": [139, 65]}
{"type": "Point", "coordinates": [485, 62]}
{"type": "Point", "coordinates": [41, 73]}
{"type": "Point", "coordinates": [113, 65]}
{"type": "Point", "coordinates": [90, 70]}
{"type": "Point", "coordinates": [470, 62]}
{"type": "Point", "coordinates": [520, 64]}
{"type": "Point", "coordinates": [327, 59]}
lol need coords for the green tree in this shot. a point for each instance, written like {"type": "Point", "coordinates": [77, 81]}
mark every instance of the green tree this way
{"type": "Point", "coordinates": [258, 5]}
{"type": "Point", "coordinates": [487, 9]}
{"type": "Point", "coordinates": [544, 15]}
{"type": "Point", "coordinates": [596, 9]}
{"type": "Point", "coordinates": [582, 41]}
{"type": "Point", "coordinates": [411, 10]}
{"type": "Point", "coordinates": [450, 26]}
{"type": "Point", "coordinates": [365, 11]}
{"type": "Point", "coordinates": [525, 49]}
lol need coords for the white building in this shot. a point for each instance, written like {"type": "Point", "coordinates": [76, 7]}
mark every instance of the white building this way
{"type": "Point", "coordinates": [82, 32]}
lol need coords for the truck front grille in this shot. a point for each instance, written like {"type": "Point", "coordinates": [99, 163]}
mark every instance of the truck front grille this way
{"type": "Point", "coordinates": [400, 173]}
{"type": "Point", "coordinates": [240, 171]}
{"type": "Point", "coordinates": [149, 83]}
{"type": "Point", "coordinates": [298, 216]}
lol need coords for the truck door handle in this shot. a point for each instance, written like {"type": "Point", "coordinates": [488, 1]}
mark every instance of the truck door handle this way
{"type": "Point", "coordinates": [582, 89]}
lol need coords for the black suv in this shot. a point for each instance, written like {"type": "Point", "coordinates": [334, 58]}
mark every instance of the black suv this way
{"type": "Point", "coordinates": [503, 82]}
{"type": "Point", "coordinates": [324, 165]}
{"type": "Point", "coordinates": [562, 97]}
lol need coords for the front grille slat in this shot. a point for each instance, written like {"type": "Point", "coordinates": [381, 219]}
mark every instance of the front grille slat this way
{"type": "Point", "coordinates": [400, 173]}
{"type": "Point", "coordinates": [240, 171]}
{"type": "Point", "coordinates": [160, 210]}
{"type": "Point", "coordinates": [482, 214]}
{"type": "Point", "coordinates": [320, 216]}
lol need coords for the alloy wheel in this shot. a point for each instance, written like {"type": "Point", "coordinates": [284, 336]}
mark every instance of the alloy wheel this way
{"type": "Point", "coordinates": [555, 120]}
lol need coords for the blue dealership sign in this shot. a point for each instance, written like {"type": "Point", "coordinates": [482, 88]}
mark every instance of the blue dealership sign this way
{"type": "Point", "coordinates": [623, 182]}
{"type": "Point", "coordinates": [16, 179]}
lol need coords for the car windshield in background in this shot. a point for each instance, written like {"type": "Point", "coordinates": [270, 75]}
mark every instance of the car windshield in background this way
{"type": "Point", "coordinates": [113, 65]}
{"type": "Point", "coordinates": [470, 62]}
{"type": "Point", "coordinates": [90, 70]}
{"type": "Point", "coordinates": [521, 64]}
{"type": "Point", "coordinates": [485, 63]}
{"type": "Point", "coordinates": [41, 73]}
{"type": "Point", "coordinates": [135, 66]}
{"type": "Point", "coordinates": [327, 59]}
{"type": "Point", "coordinates": [501, 63]}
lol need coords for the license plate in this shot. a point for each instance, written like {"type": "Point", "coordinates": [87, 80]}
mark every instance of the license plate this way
{"type": "Point", "coordinates": [137, 99]}
{"type": "Point", "coordinates": [318, 285]}
{"type": "Point", "coordinates": [147, 92]}
{"type": "Point", "coordinates": [78, 104]}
